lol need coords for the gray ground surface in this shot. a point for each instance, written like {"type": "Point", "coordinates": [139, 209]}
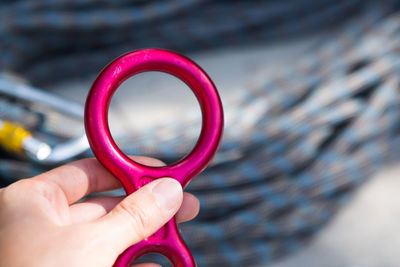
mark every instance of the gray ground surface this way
{"type": "Point", "coordinates": [365, 233]}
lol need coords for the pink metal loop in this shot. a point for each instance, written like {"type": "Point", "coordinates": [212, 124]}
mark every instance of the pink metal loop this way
{"type": "Point", "coordinates": [96, 111]}
{"type": "Point", "coordinates": [132, 174]}
{"type": "Point", "coordinates": [166, 241]}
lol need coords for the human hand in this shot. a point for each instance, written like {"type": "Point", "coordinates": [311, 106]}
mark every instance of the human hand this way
{"type": "Point", "coordinates": [41, 223]}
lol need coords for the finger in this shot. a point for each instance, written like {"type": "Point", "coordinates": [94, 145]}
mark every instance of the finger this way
{"type": "Point", "coordinates": [82, 177]}
{"type": "Point", "coordinates": [92, 209]}
{"type": "Point", "coordinates": [97, 207]}
{"type": "Point", "coordinates": [189, 209]}
{"type": "Point", "coordinates": [140, 214]}
{"type": "Point", "coordinates": [147, 265]}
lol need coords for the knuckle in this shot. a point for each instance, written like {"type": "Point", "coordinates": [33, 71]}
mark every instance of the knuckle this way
{"type": "Point", "coordinates": [27, 187]}
{"type": "Point", "coordinates": [138, 218]}
{"type": "Point", "coordinates": [17, 187]}
{"type": "Point", "coordinates": [14, 190]}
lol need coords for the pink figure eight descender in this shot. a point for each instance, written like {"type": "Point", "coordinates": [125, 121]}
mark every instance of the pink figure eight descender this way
{"type": "Point", "coordinates": [167, 240]}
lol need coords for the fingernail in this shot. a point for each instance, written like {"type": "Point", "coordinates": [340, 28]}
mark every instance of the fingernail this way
{"type": "Point", "coordinates": [168, 192]}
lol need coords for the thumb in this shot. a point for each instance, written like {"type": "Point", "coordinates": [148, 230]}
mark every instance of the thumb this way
{"type": "Point", "coordinates": [141, 214]}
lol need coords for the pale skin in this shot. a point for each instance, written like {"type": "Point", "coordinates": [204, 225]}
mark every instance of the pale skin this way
{"type": "Point", "coordinates": [41, 223]}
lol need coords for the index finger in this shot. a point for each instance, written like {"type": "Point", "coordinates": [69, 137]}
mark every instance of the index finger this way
{"type": "Point", "coordinates": [80, 178]}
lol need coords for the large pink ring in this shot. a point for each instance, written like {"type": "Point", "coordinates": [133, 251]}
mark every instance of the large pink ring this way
{"type": "Point", "coordinates": [133, 175]}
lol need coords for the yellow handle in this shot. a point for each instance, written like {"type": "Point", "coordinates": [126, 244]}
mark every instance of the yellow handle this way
{"type": "Point", "coordinates": [12, 136]}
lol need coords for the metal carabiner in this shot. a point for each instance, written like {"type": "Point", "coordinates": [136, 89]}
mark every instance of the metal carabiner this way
{"type": "Point", "coordinates": [17, 139]}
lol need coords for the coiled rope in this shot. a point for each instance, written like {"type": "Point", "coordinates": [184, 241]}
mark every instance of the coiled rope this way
{"type": "Point", "coordinates": [311, 134]}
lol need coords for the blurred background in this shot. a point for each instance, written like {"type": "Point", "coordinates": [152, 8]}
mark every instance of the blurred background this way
{"type": "Point", "coordinates": [306, 173]}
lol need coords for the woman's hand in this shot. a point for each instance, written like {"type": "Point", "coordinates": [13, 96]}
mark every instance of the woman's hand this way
{"type": "Point", "coordinates": [41, 223]}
